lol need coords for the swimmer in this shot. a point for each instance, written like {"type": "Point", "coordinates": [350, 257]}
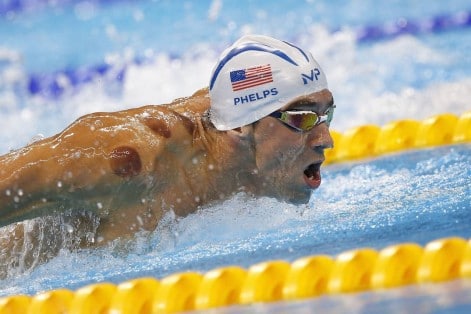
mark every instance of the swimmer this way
{"type": "Point", "coordinates": [260, 128]}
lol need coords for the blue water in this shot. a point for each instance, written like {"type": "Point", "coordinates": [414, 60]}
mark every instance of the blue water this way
{"type": "Point", "coordinates": [152, 50]}
{"type": "Point", "coordinates": [96, 28]}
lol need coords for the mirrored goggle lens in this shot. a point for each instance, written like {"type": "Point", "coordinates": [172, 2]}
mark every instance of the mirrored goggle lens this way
{"type": "Point", "coordinates": [300, 120]}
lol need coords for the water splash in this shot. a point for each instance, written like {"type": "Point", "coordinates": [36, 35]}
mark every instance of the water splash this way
{"type": "Point", "coordinates": [415, 196]}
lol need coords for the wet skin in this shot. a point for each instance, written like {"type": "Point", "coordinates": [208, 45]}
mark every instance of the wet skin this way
{"type": "Point", "coordinates": [125, 169]}
{"type": "Point", "coordinates": [284, 155]}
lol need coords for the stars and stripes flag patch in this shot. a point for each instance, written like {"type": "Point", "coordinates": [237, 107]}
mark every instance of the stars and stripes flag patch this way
{"type": "Point", "coordinates": [251, 77]}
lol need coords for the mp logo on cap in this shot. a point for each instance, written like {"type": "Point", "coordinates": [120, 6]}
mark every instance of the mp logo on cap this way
{"type": "Point", "coordinates": [314, 74]}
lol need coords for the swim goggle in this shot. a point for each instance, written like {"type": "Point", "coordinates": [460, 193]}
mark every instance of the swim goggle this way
{"type": "Point", "coordinates": [303, 121]}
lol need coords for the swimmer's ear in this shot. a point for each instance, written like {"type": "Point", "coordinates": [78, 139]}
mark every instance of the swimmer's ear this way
{"type": "Point", "coordinates": [241, 134]}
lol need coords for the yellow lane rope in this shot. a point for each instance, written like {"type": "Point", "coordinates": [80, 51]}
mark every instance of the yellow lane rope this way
{"type": "Point", "coordinates": [371, 140]}
{"type": "Point", "coordinates": [352, 271]}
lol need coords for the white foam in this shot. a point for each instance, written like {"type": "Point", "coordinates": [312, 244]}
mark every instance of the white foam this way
{"type": "Point", "coordinates": [233, 231]}
{"type": "Point", "coordinates": [358, 77]}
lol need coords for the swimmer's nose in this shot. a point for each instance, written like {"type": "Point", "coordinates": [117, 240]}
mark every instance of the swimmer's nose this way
{"type": "Point", "coordinates": [319, 138]}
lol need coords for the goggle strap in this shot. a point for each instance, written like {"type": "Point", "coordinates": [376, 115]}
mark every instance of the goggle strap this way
{"type": "Point", "coordinates": [321, 119]}
{"type": "Point", "coordinates": [277, 115]}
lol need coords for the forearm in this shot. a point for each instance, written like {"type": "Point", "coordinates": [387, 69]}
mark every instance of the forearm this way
{"type": "Point", "coordinates": [41, 179]}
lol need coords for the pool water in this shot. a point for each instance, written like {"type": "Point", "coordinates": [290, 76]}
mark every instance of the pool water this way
{"type": "Point", "coordinates": [418, 196]}
{"type": "Point", "coordinates": [149, 52]}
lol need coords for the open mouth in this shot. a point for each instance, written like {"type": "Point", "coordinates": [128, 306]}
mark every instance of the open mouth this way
{"type": "Point", "coordinates": [312, 175]}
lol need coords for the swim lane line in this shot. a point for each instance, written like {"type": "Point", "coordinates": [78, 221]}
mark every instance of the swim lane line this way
{"type": "Point", "coordinates": [54, 84]}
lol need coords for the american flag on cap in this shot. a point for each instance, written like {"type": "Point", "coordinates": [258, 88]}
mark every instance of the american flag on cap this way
{"type": "Point", "coordinates": [251, 77]}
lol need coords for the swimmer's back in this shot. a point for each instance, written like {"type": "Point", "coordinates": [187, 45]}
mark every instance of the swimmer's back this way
{"type": "Point", "coordinates": [92, 159]}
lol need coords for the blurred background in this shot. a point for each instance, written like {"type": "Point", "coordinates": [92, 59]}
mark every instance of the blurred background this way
{"type": "Point", "coordinates": [60, 59]}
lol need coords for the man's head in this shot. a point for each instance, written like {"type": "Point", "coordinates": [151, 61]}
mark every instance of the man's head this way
{"type": "Point", "coordinates": [276, 94]}
{"type": "Point", "coordinates": [258, 75]}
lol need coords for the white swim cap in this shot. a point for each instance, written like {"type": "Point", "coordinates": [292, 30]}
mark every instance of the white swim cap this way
{"type": "Point", "coordinates": [258, 75]}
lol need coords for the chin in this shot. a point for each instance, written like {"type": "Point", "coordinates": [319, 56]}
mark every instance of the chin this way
{"type": "Point", "coordinates": [296, 197]}
{"type": "Point", "coordinates": [286, 191]}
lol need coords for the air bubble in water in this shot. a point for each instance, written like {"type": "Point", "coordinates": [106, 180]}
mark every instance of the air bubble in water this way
{"type": "Point", "coordinates": [37, 137]}
{"type": "Point", "coordinates": [69, 228]}
{"type": "Point", "coordinates": [90, 237]}
{"type": "Point", "coordinates": [139, 220]}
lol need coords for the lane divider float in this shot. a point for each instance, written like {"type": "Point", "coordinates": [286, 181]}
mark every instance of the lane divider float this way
{"type": "Point", "coordinates": [372, 140]}
{"type": "Point", "coordinates": [308, 277]}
